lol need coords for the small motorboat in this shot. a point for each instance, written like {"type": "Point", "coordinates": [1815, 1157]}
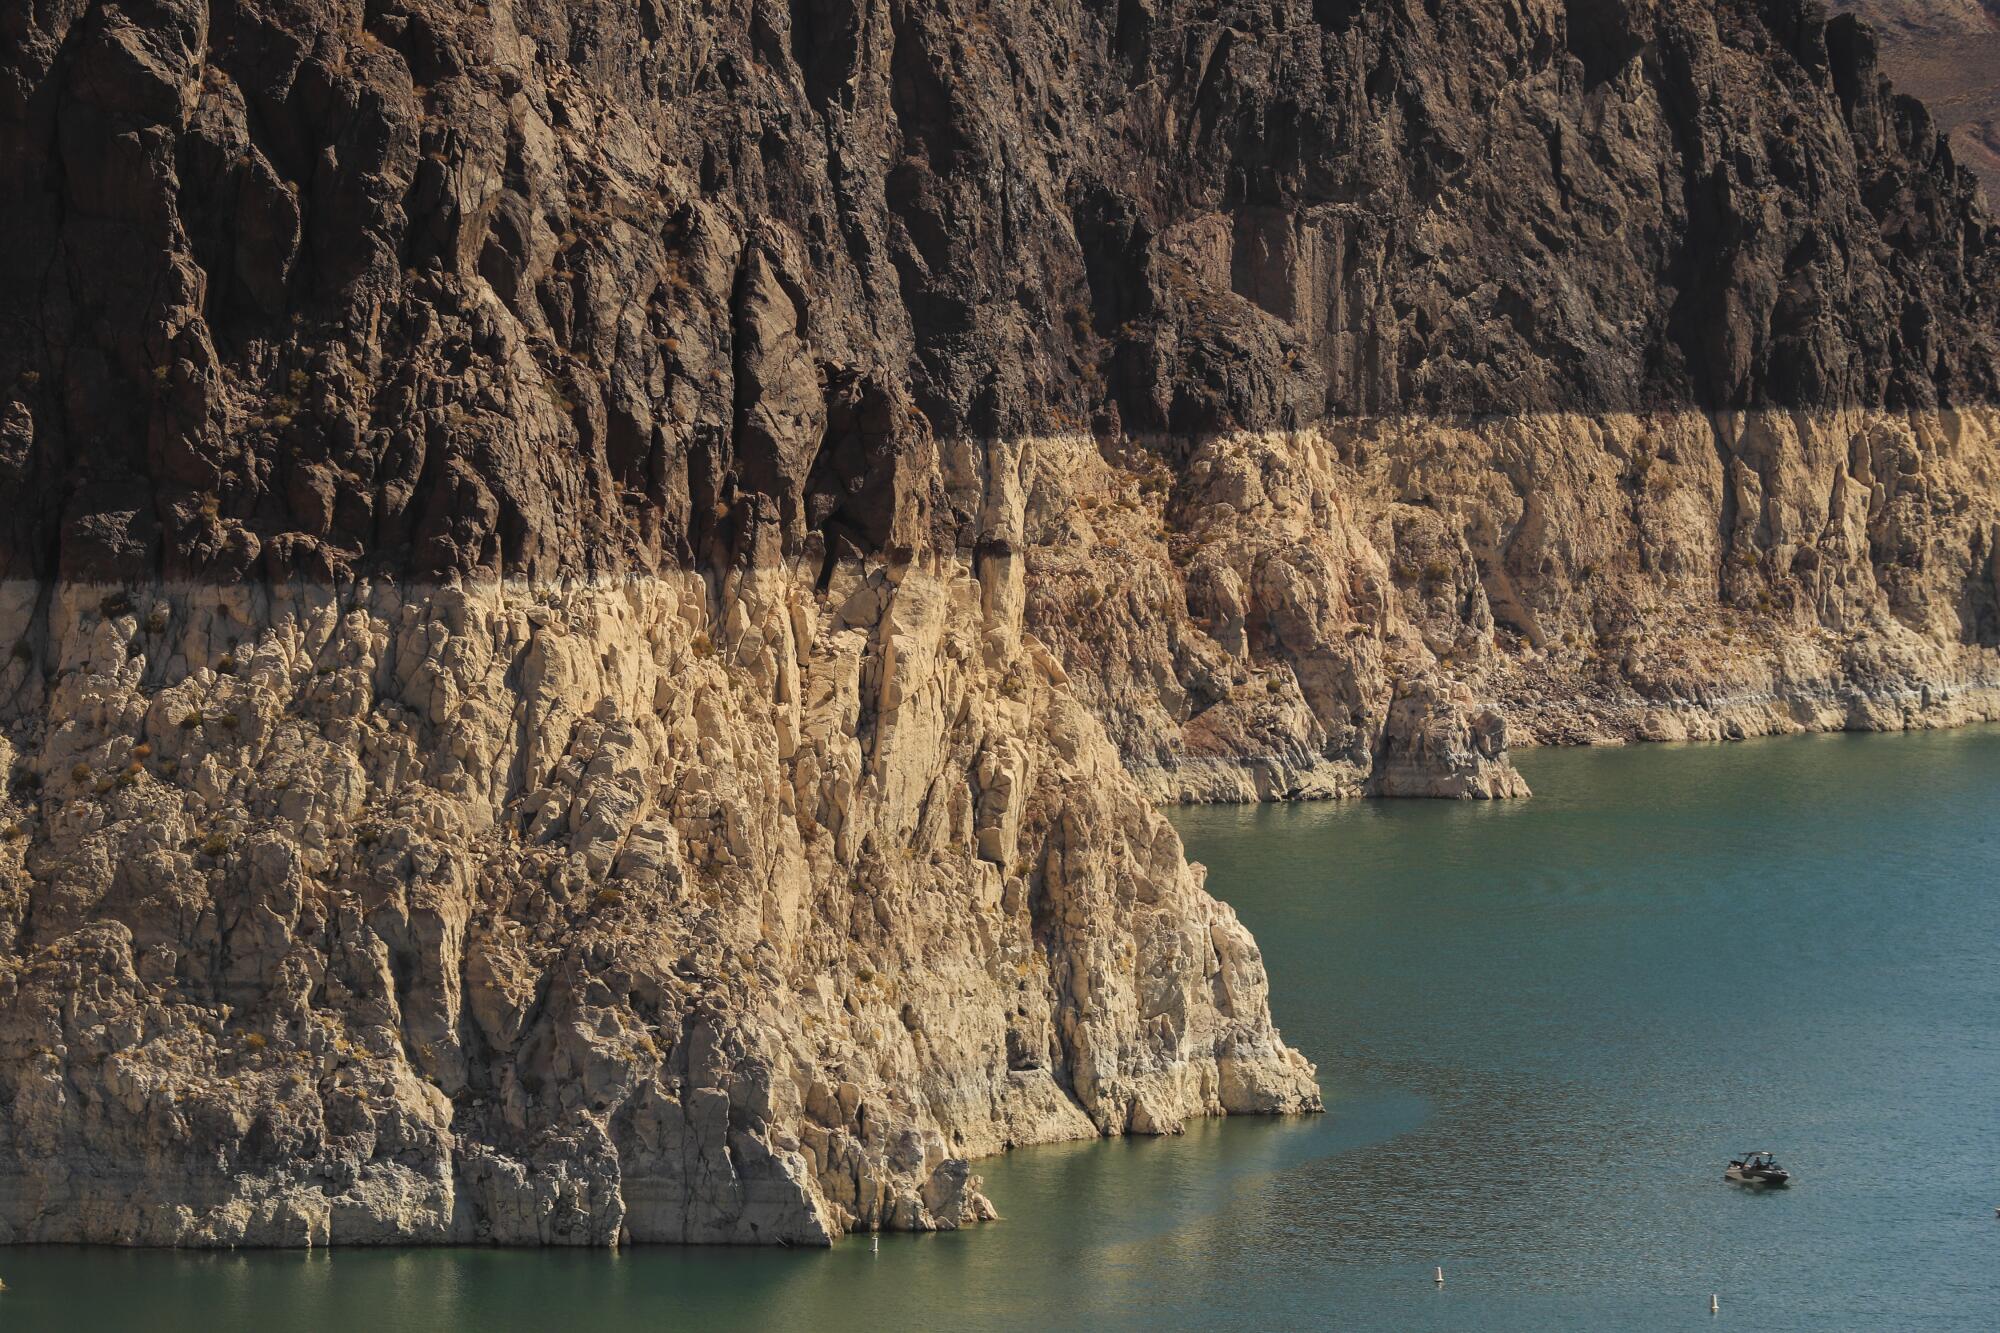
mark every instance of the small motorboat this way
{"type": "Point", "coordinates": [1757, 1168]}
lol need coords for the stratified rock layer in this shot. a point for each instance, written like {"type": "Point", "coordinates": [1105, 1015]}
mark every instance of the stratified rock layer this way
{"type": "Point", "coordinates": [547, 288]}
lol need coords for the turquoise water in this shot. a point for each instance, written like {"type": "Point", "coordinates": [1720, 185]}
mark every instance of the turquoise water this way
{"type": "Point", "coordinates": [1542, 1028]}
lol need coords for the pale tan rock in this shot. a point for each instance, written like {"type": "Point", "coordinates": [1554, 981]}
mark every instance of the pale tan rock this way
{"type": "Point", "coordinates": [1382, 606]}
{"type": "Point", "coordinates": [584, 914]}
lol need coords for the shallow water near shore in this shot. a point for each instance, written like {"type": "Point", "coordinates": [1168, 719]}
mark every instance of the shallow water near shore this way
{"type": "Point", "coordinates": [1542, 1028]}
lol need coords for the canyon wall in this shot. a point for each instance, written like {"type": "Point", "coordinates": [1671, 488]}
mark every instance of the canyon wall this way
{"type": "Point", "coordinates": [597, 594]}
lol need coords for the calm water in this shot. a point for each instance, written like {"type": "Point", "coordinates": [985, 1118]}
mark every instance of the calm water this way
{"type": "Point", "coordinates": [1541, 1027]}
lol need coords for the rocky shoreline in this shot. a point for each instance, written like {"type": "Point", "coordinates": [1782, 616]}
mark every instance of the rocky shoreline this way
{"type": "Point", "coordinates": [1382, 607]}
{"type": "Point", "coordinates": [535, 915]}
{"type": "Point", "coordinates": [670, 908]}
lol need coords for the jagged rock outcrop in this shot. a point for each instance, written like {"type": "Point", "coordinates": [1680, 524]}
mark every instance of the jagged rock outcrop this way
{"type": "Point", "coordinates": [594, 591]}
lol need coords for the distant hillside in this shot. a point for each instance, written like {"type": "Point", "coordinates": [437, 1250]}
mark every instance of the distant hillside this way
{"type": "Point", "coordinates": [1948, 53]}
{"type": "Point", "coordinates": [1927, 18]}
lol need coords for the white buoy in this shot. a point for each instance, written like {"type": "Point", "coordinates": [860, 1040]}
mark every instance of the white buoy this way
{"type": "Point", "coordinates": [874, 1245]}
{"type": "Point", "coordinates": [1714, 1305]}
{"type": "Point", "coordinates": [1440, 1275]}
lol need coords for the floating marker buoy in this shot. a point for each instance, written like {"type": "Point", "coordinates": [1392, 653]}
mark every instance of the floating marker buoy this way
{"type": "Point", "coordinates": [1714, 1305]}
{"type": "Point", "coordinates": [1440, 1275]}
{"type": "Point", "coordinates": [874, 1245]}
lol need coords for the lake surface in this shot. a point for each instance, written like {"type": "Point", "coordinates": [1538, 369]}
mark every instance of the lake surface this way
{"type": "Point", "coordinates": [1542, 1028]}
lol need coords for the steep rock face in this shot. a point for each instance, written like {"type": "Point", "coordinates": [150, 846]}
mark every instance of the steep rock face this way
{"type": "Point", "coordinates": [319, 290]}
{"type": "Point", "coordinates": [594, 590]}
{"type": "Point", "coordinates": [326, 286]}
{"type": "Point", "coordinates": [582, 914]}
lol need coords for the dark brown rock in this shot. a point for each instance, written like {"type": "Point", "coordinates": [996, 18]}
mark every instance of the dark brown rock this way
{"type": "Point", "coordinates": [641, 240]}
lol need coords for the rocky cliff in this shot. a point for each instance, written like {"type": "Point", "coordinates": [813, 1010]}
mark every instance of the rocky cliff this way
{"type": "Point", "coordinates": [598, 592]}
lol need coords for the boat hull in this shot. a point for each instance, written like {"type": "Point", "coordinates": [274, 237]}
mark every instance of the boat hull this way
{"type": "Point", "coordinates": [1765, 1181]}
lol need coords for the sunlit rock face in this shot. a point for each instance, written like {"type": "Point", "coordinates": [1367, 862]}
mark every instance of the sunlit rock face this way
{"type": "Point", "coordinates": [538, 914]}
{"type": "Point", "coordinates": [596, 597]}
